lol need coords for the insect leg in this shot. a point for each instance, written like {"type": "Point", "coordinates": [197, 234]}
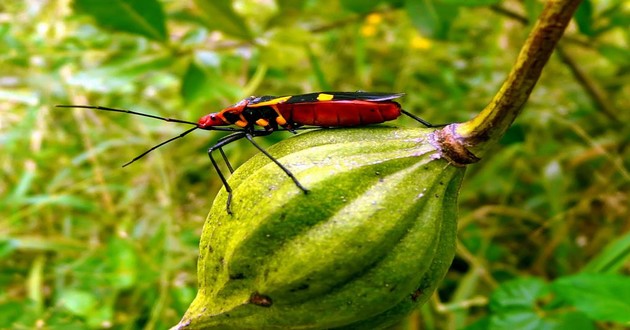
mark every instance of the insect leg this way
{"type": "Point", "coordinates": [222, 142]}
{"type": "Point", "coordinates": [226, 160]}
{"type": "Point", "coordinates": [420, 120]}
{"type": "Point", "coordinates": [297, 183]}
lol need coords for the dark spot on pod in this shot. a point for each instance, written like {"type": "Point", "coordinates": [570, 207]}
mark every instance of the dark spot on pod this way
{"type": "Point", "coordinates": [221, 260]}
{"type": "Point", "coordinates": [437, 196]}
{"type": "Point", "coordinates": [210, 249]}
{"type": "Point", "coordinates": [303, 286]}
{"type": "Point", "coordinates": [238, 276]}
{"type": "Point", "coordinates": [266, 274]}
{"type": "Point", "coordinates": [416, 294]}
{"type": "Point", "coordinates": [260, 300]}
{"type": "Point", "coordinates": [441, 183]}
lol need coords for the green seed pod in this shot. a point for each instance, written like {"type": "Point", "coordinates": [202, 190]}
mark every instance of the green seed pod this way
{"type": "Point", "coordinates": [368, 243]}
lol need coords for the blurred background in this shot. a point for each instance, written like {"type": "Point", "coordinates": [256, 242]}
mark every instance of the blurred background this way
{"type": "Point", "coordinates": [86, 244]}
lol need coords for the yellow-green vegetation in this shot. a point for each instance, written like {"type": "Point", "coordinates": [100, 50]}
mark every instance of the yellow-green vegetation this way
{"type": "Point", "coordinates": [84, 244]}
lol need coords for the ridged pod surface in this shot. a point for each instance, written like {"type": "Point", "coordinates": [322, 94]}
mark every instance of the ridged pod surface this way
{"type": "Point", "coordinates": [368, 243]}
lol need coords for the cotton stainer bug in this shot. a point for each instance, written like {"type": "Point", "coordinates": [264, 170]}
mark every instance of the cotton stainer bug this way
{"type": "Point", "coordinates": [316, 110]}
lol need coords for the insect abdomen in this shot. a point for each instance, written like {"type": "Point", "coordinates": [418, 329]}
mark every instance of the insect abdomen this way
{"type": "Point", "coordinates": [339, 113]}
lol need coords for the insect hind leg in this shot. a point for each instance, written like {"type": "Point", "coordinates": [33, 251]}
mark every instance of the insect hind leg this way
{"type": "Point", "coordinates": [250, 137]}
{"type": "Point", "coordinates": [420, 120]}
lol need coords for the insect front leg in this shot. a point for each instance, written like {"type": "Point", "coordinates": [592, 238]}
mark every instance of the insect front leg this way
{"type": "Point", "coordinates": [222, 142]}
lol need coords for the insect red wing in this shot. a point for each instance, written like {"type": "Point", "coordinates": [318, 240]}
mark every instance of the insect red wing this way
{"type": "Point", "coordinates": [326, 114]}
{"type": "Point", "coordinates": [339, 113]}
{"type": "Point", "coordinates": [300, 114]}
{"type": "Point", "coordinates": [389, 110]}
{"type": "Point", "coordinates": [348, 116]}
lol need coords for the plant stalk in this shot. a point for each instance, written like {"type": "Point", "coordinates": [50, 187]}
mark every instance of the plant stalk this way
{"type": "Point", "coordinates": [481, 132]}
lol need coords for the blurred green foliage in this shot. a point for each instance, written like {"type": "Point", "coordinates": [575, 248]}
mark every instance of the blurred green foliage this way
{"type": "Point", "coordinates": [85, 244]}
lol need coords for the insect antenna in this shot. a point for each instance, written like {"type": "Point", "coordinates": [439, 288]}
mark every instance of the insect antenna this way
{"type": "Point", "coordinates": [173, 120]}
{"type": "Point", "coordinates": [159, 145]}
{"type": "Point", "coordinates": [129, 112]}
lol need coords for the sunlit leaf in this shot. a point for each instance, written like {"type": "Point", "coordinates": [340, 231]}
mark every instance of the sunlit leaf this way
{"type": "Point", "coordinates": [78, 302]}
{"type": "Point", "coordinates": [219, 15]}
{"type": "Point", "coordinates": [143, 17]}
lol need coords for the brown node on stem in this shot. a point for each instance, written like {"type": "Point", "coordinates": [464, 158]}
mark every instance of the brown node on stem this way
{"type": "Point", "coordinates": [452, 147]}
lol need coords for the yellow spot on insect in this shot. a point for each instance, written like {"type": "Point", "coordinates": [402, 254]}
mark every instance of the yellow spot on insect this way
{"type": "Point", "coordinates": [281, 121]}
{"type": "Point", "coordinates": [420, 42]}
{"type": "Point", "coordinates": [270, 102]}
{"type": "Point", "coordinates": [240, 123]}
{"type": "Point", "coordinates": [262, 122]}
{"type": "Point", "coordinates": [324, 97]}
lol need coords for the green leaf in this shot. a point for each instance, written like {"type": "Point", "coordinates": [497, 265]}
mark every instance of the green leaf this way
{"type": "Point", "coordinates": [533, 9]}
{"type": "Point", "coordinates": [612, 258]}
{"type": "Point", "coordinates": [203, 81]}
{"type": "Point", "coordinates": [514, 305]}
{"type": "Point", "coordinates": [520, 293]}
{"type": "Point", "coordinates": [143, 17]}
{"type": "Point", "coordinates": [603, 297]}
{"type": "Point", "coordinates": [10, 311]}
{"type": "Point", "coordinates": [359, 6]}
{"type": "Point", "coordinates": [123, 262]}
{"type": "Point", "coordinates": [584, 18]}
{"type": "Point", "coordinates": [471, 3]}
{"type": "Point", "coordinates": [7, 246]}
{"type": "Point", "coordinates": [219, 15]}
{"type": "Point", "coordinates": [120, 74]}
{"type": "Point", "coordinates": [431, 18]}
{"type": "Point", "coordinates": [194, 83]}
{"type": "Point", "coordinates": [320, 76]}
{"type": "Point", "coordinates": [290, 5]}
{"type": "Point", "coordinates": [615, 54]}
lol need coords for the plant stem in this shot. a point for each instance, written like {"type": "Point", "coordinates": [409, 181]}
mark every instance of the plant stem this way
{"type": "Point", "coordinates": [490, 125]}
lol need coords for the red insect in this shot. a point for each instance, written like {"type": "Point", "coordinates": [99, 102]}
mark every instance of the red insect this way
{"type": "Point", "coordinates": [327, 109]}
{"type": "Point", "coordinates": [272, 113]}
